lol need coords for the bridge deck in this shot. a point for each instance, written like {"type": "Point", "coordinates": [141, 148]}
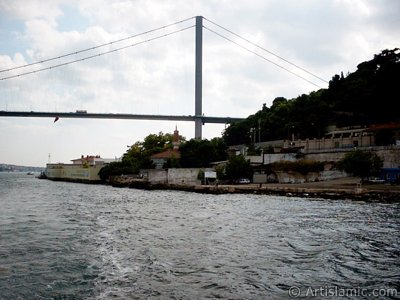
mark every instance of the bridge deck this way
{"type": "Point", "coordinates": [84, 115]}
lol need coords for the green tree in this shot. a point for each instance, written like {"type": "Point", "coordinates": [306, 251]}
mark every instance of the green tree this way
{"type": "Point", "coordinates": [172, 162]}
{"type": "Point", "coordinates": [199, 153]}
{"type": "Point", "coordinates": [237, 133]}
{"type": "Point", "coordinates": [349, 100]}
{"type": "Point", "coordinates": [138, 156]}
{"type": "Point", "coordinates": [155, 143]}
{"type": "Point", "coordinates": [220, 169]}
{"type": "Point", "coordinates": [238, 167]}
{"type": "Point", "coordinates": [117, 168]}
{"type": "Point", "coordinates": [361, 163]}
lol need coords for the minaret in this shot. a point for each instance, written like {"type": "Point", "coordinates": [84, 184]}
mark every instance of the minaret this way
{"type": "Point", "coordinates": [175, 139]}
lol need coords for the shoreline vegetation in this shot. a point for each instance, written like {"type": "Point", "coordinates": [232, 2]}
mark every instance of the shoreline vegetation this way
{"type": "Point", "coordinates": [345, 188]}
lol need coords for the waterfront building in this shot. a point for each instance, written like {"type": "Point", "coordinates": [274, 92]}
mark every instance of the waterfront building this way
{"type": "Point", "coordinates": [161, 159]}
{"type": "Point", "coordinates": [83, 169]}
{"type": "Point", "coordinates": [349, 138]}
{"type": "Point", "coordinates": [336, 139]}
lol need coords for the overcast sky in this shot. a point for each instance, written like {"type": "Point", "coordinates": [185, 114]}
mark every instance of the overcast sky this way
{"type": "Point", "coordinates": [323, 37]}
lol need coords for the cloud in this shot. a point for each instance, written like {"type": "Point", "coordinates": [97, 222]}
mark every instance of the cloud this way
{"type": "Point", "coordinates": [32, 9]}
{"type": "Point", "coordinates": [324, 37]}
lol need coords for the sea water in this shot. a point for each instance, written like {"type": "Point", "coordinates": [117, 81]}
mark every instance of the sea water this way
{"type": "Point", "coordinates": [63, 240]}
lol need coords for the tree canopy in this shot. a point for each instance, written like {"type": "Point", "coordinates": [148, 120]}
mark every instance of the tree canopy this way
{"type": "Point", "coordinates": [138, 155]}
{"type": "Point", "coordinates": [368, 96]}
{"type": "Point", "coordinates": [194, 154]}
{"type": "Point", "coordinates": [361, 163]}
{"type": "Point", "coordinates": [238, 167]}
{"type": "Point", "coordinates": [349, 100]}
{"type": "Point", "coordinates": [199, 153]}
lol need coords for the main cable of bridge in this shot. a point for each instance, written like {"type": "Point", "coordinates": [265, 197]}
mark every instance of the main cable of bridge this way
{"type": "Point", "coordinates": [95, 55]}
{"type": "Point", "coordinates": [155, 38]}
{"type": "Point", "coordinates": [98, 46]}
{"type": "Point", "coordinates": [260, 47]}
{"type": "Point", "coordinates": [261, 56]}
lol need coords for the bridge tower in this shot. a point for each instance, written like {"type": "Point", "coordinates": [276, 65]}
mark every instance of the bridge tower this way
{"type": "Point", "coordinates": [198, 123]}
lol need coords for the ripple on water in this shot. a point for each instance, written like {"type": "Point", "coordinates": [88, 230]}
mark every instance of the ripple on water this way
{"type": "Point", "coordinates": [74, 241]}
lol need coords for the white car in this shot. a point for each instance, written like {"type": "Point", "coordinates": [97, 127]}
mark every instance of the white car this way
{"type": "Point", "coordinates": [244, 180]}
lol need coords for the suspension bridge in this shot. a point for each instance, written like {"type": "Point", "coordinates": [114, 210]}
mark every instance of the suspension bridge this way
{"type": "Point", "coordinates": [198, 117]}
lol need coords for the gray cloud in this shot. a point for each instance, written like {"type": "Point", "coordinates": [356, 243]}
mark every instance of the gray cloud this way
{"type": "Point", "coordinates": [325, 37]}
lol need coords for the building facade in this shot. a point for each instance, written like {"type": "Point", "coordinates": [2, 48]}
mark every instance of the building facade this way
{"type": "Point", "coordinates": [83, 169]}
{"type": "Point", "coordinates": [338, 139]}
{"type": "Point", "coordinates": [160, 159]}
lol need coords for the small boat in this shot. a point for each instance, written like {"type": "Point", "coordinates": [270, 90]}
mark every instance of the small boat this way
{"type": "Point", "coordinates": [30, 173]}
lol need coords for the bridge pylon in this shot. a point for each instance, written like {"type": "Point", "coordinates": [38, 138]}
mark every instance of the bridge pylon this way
{"type": "Point", "coordinates": [198, 123]}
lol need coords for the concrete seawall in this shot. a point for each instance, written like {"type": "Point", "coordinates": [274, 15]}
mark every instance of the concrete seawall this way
{"type": "Point", "coordinates": [327, 192]}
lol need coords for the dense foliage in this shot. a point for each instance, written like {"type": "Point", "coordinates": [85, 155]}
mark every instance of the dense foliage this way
{"type": "Point", "coordinates": [238, 167]}
{"type": "Point", "coordinates": [138, 155]}
{"type": "Point", "coordinates": [117, 168]}
{"type": "Point", "coordinates": [361, 163]}
{"type": "Point", "coordinates": [368, 96]}
{"type": "Point", "coordinates": [194, 154]}
{"type": "Point", "coordinates": [199, 153]}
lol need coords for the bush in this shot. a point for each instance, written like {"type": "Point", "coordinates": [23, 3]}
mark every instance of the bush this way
{"type": "Point", "coordinates": [117, 168]}
{"type": "Point", "coordinates": [238, 167]}
{"type": "Point", "coordinates": [361, 163]}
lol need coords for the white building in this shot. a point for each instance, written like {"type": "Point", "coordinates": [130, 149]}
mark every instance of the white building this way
{"type": "Point", "coordinates": [83, 169]}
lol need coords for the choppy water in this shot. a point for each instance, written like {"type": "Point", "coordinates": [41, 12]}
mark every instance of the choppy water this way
{"type": "Point", "coordinates": [74, 241]}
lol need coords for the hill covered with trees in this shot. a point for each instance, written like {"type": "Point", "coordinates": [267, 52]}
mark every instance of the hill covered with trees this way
{"type": "Point", "coordinates": [370, 95]}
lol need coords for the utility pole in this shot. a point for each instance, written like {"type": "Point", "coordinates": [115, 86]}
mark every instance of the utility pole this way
{"type": "Point", "coordinates": [198, 123]}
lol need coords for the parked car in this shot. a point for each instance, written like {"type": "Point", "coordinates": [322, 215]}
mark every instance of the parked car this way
{"type": "Point", "coordinates": [243, 181]}
{"type": "Point", "coordinates": [374, 180]}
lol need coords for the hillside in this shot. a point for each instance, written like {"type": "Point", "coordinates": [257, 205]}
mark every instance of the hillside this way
{"type": "Point", "coordinates": [368, 96]}
{"type": "Point", "coordinates": [16, 168]}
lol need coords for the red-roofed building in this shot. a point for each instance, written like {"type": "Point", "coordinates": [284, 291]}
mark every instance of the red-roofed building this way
{"type": "Point", "coordinates": [160, 159]}
{"type": "Point", "coordinates": [90, 160]}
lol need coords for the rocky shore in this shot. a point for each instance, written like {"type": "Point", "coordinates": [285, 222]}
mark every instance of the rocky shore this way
{"type": "Point", "coordinates": [348, 188]}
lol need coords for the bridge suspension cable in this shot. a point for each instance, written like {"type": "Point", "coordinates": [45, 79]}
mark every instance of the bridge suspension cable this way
{"type": "Point", "coordinates": [155, 38]}
{"type": "Point", "coordinates": [263, 49]}
{"type": "Point", "coordinates": [97, 55]}
{"type": "Point", "coordinates": [261, 56]}
{"type": "Point", "coordinates": [97, 47]}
